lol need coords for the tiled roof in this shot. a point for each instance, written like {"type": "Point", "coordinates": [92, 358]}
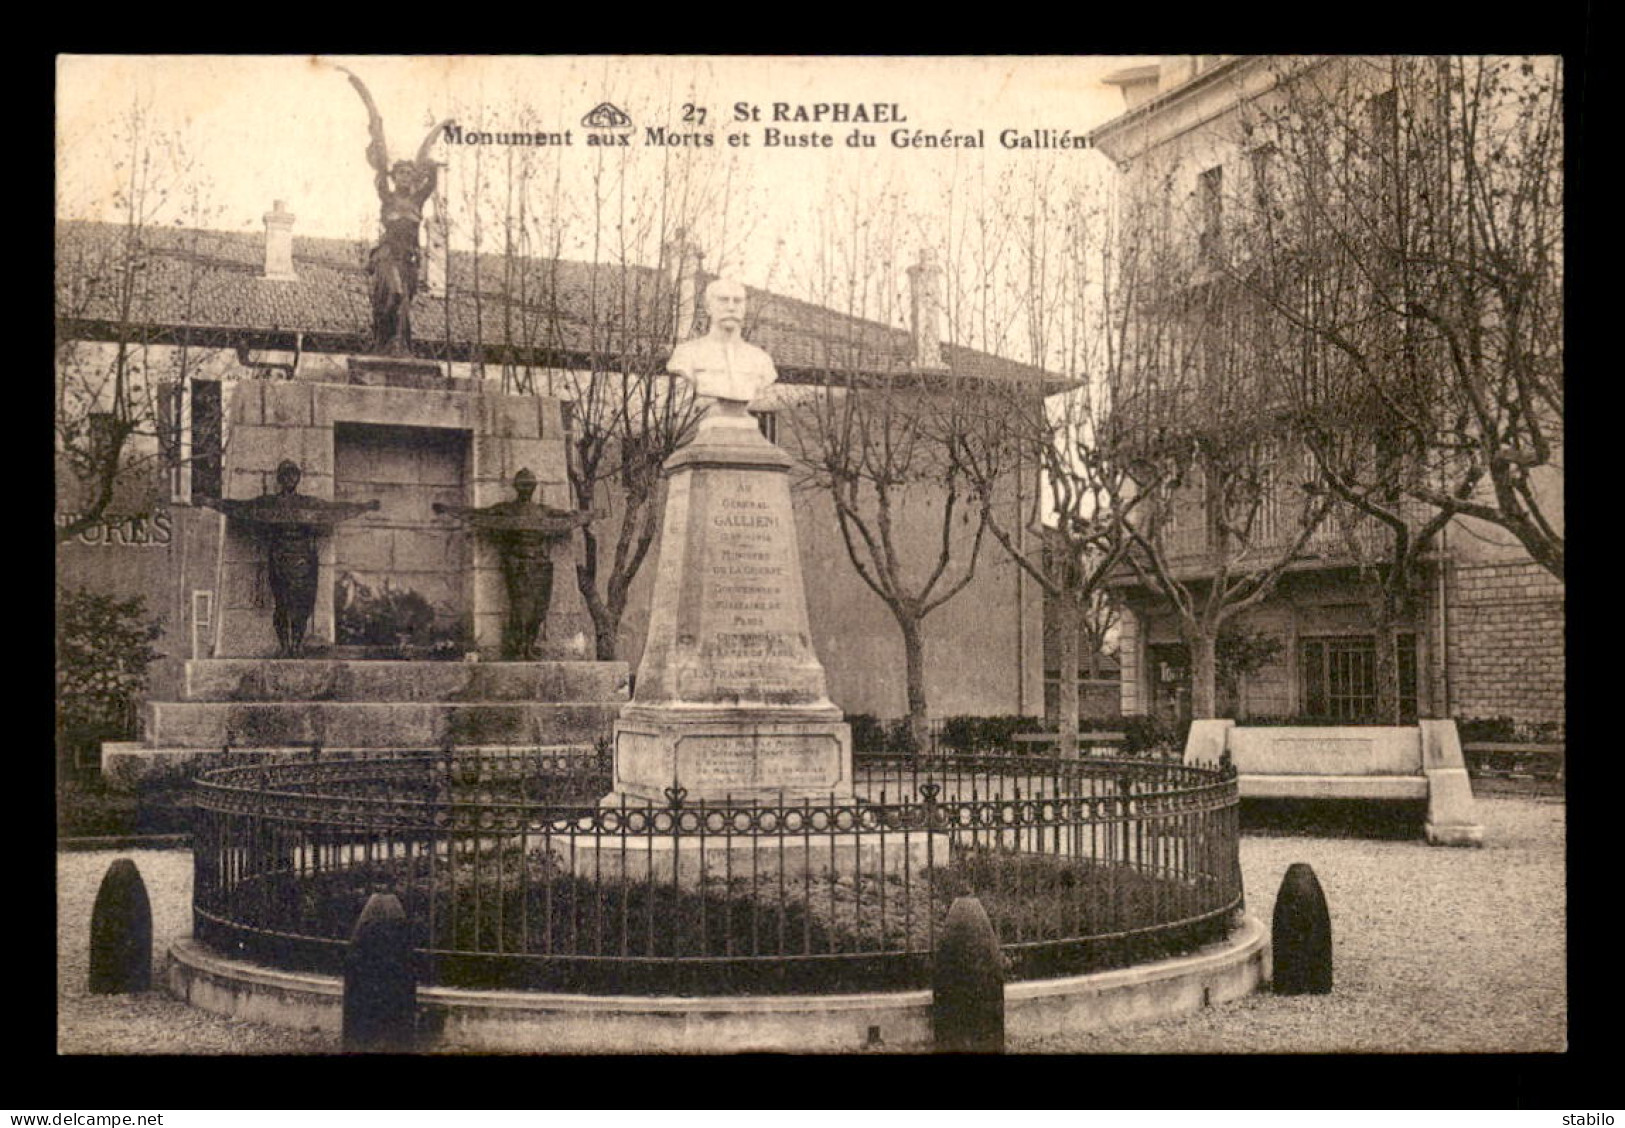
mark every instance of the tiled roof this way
{"type": "Point", "coordinates": [567, 310]}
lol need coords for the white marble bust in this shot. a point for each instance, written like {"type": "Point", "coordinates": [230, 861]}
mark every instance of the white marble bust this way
{"type": "Point", "coordinates": [726, 369]}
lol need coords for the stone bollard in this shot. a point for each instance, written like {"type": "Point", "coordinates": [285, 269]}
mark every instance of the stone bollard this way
{"type": "Point", "coordinates": [967, 983]}
{"type": "Point", "coordinates": [1301, 935]}
{"type": "Point", "coordinates": [380, 991]}
{"type": "Point", "coordinates": [121, 933]}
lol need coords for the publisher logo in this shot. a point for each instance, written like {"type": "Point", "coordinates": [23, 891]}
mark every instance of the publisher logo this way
{"type": "Point", "coordinates": [606, 115]}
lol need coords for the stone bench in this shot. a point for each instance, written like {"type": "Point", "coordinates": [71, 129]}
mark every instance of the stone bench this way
{"type": "Point", "coordinates": [1354, 762]}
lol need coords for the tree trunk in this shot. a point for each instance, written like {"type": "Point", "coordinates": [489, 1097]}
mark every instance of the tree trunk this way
{"type": "Point", "coordinates": [1386, 666]}
{"type": "Point", "coordinates": [606, 624]}
{"type": "Point", "coordinates": [1066, 692]}
{"type": "Point", "coordinates": [1386, 612]}
{"type": "Point", "coordinates": [1387, 675]}
{"type": "Point", "coordinates": [606, 628]}
{"type": "Point", "coordinates": [1204, 674]}
{"type": "Point", "coordinates": [914, 663]}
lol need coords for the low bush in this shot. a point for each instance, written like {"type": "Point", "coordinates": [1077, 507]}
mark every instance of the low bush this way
{"type": "Point", "coordinates": [1145, 735]}
{"type": "Point", "coordinates": [875, 737]}
{"type": "Point", "coordinates": [969, 734]}
{"type": "Point", "coordinates": [868, 732]}
{"type": "Point", "coordinates": [1506, 730]}
{"type": "Point", "coordinates": [983, 734]}
{"type": "Point", "coordinates": [103, 650]}
{"type": "Point", "coordinates": [91, 809]}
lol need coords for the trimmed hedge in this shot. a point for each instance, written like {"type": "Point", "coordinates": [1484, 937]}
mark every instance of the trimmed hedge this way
{"type": "Point", "coordinates": [1141, 735]}
{"type": "Point", "coordinates": [90, 809]}
{"type": "Point", "coordinates": [977, 734]}
{"type": "Point", "coordinates": [872, 735]}
{"type": "Point", "coordinates": [1505, 730]}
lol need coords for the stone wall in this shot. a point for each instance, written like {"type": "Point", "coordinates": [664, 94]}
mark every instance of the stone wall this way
{"type": "Point", "coordinates": [1507, 640]}
{"type": "Point", "coordinates": [267, 422]}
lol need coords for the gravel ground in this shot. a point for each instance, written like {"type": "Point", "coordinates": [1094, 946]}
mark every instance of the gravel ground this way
{"type": "Point", "coordinates": [149, 1022]}
{"type": "Point", "coordinates": [1435, 950]}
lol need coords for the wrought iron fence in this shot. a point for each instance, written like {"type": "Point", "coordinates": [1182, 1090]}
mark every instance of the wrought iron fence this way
{"type": "Point", "coordinates": [516, 873]}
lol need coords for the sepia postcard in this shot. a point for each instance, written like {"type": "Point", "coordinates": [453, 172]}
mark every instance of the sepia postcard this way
{"type": "Point", "coordinates": [843, 554]}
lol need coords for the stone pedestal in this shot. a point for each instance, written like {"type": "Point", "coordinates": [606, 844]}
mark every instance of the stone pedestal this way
{"type": "Point", "coordinates": [731, 702]}
{"type": "Point", "coordinates": [397, 372]}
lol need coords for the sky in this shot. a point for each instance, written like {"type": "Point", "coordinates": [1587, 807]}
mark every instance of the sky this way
{"type": "Point", "coordinates": [257, 129]}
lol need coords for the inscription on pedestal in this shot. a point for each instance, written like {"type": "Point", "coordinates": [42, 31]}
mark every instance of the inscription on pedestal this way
{"type": "Point", "coordinates": [746, 573]}
{"type": "Point", "coordinates": [712, 764]}
{"type": "Point", "coordinates": [749, 641]}
{"type": "Point", "coordinates": [716, 763]}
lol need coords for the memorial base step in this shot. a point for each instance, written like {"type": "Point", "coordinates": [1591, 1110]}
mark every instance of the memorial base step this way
{"type": "Point", "coordinates": [307, 679]}
{"type": "Point", "coordinates": [127, 765]}
{"type": "Point", "coordinates": [334, 724]}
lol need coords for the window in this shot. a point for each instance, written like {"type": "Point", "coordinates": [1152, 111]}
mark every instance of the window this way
{"type": "Point", "coordinates": [206, 436]}
{"type": "Point", "coordinates": [102, 430]}
{"type": "Point", "coordinates": [1382, 124]}
{"type": "Point", "coordinates": [1263, 162]}
{"type": "Point", "coordinates": [189, 437]}
{"type": "Point", "coordinates": [1339, 678]}
{"type": "Point", "coordinates": [1382, 120]}
{"type": "Point", "coordinates": [1210, 210]}
{"type": "Point", "coordinates": [568, 422]}
{"type": "Point", "coordinates": [1267, 525]}
{"type": "Point", "coordinates": [768, 423]}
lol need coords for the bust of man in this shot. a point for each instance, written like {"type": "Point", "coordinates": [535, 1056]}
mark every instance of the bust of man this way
{"type": "Point", "coordinates": [726, 370]}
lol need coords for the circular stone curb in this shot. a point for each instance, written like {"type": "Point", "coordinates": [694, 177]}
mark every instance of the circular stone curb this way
{"type": "Point", "coordinates": [531, 1022]}
{"type": "Point", "coordinates": [127, 842]}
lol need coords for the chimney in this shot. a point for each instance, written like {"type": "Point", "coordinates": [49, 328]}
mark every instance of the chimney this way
{"type": "Point", "coordinates": [683, 259]}
{"type": "Point", "coordinates": [925, 309]}
{"type": "Point", "coordinates": [1175, 69]}
{"type": "Point", "coordinates": [1138, 84]}
{"type": "Point", "coordinates": [436, 251]}
{"type": "Point", "coordinates": [279, 244]}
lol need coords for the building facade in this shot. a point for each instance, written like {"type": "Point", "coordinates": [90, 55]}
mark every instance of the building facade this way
{"type": "Point", "coordinates": [1484, 633]}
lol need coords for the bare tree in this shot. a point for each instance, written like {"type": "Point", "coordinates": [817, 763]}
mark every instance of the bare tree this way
{"type": "Point", "coordinates": [1399, 236]}
{"type": "Point", "coordinates": [1075, 521]}
{"type": "Point", "coordinates": [1405, 229]}
{"type": "Point", "coordinates": [884, 440]}
{"type": "Point", "coordinates": [115, 368]}
{"type": "Point", "coordinates": [884, 452]}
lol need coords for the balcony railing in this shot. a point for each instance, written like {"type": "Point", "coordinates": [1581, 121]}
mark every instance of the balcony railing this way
{"type": "Point", "coordinates": [1337, 541]}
